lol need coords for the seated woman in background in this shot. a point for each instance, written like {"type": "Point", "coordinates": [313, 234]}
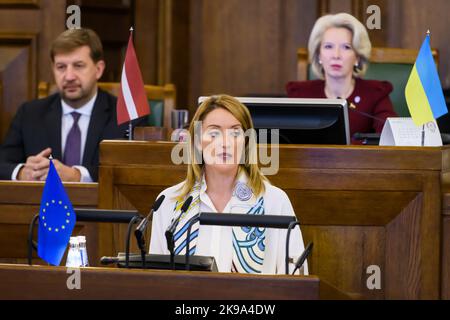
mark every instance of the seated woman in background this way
{"type": "Point", "coordinates": [339, 50]}
{"type": "Point", "coordinates": [223, 176]}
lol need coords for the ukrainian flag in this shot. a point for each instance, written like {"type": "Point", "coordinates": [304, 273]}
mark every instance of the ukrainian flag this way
{"type": "Point", "coordinates": [423, 91]}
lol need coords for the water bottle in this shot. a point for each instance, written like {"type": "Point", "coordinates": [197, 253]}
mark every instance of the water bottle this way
{"type": "Point", "coordinates": [83, 251]}
{"type": "Point", "coordinates": [74, 256]}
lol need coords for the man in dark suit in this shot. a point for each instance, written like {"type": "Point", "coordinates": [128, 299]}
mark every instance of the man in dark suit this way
{"type": "Point", "coordinates": [68, 125]}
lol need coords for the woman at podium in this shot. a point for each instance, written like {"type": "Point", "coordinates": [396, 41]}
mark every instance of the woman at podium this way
{"type": "Point", "coordinates": [223, 177]}
{"type": "Point", "coordinates": [339, 49]}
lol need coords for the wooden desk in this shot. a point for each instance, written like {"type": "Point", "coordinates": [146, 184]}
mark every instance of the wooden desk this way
{"type": "Point", "coordinates": [361, 206]}
{"type": "Point", "coordinates": [24, 282]}
{"type": "Point", "coordinates": [20, 201]}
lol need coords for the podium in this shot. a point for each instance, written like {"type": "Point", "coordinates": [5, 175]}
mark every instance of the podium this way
{"type": "Point", "coordinates": [363, 207]}
{"type": "Point", "coordinates": [36, 282]}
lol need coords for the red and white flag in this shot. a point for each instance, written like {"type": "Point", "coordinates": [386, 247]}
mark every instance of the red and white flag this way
{"type": "Point", "coordinates": [132, 102]}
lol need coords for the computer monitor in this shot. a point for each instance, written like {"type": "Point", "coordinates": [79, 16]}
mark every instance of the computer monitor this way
{"type": "Point", "coordinates": [301, 121]}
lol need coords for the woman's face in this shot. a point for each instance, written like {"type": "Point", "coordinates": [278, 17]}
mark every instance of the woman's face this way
{"type": "Point", "coordinates": [222, 141]}
{"type": "Point", "coordinates": [337, 54]}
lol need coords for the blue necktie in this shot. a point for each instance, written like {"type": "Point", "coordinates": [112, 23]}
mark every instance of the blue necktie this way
{"type": "Point", "coordinates": [72, 152]}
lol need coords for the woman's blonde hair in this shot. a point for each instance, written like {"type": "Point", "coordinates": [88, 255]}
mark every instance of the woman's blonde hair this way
{"type": "Point", "coordinates": [360, 42]}
{"type": "Point", "coordinates": [249, 167]}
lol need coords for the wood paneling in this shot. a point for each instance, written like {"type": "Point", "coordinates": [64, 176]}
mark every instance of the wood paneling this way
{"type": "Point", "coordinates": [445, 283]}
{"type": "Point", "coordinates": [22, 282]}
{"type": "Point", "coordinates": [20, 201]}
{"type": "Point", "coordinates": [112, 20]}
{"type": "Point", "coordinates": [26, 28]}
{"type": "Point", "coordinates": [335, 6]}
{"type": "Point", "coordinates": [146, 37]}
{"type": "Point", "coordinates": [236, 47]}
{"type": "Point", "coordinates": [14, 64]}
{"type": "Point", "coordinates": [20, 4]}
{"type": "Point", "coordinates": [412, 25]}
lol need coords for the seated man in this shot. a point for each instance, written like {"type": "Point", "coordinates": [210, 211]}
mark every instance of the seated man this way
{"type": "Point", "coordinates": [68, 125]}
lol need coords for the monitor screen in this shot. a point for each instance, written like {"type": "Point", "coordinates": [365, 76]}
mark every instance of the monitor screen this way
{"type": "Point", "coordinates": [300, 121]}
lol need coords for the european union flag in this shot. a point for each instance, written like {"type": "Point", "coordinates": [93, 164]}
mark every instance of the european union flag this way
{"type": "Point", "coordinates": [56, 219]}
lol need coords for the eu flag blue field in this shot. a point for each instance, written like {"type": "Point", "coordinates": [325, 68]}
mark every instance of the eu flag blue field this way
{"type": "Point", "coordinates": [56, 219]}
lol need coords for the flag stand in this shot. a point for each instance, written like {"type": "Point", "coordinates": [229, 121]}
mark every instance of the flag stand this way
{"type": "Point", "coordinates": [130, 131]}
{"type": "Point", "coordinates": [423, 135]}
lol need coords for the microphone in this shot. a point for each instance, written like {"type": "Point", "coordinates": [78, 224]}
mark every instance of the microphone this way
{"type": "Point", "coordinates": [302, 258]}
{"type": "Point", "coordinates": [246, 220]}
{"type": "Point", "coordinates": [140, 230]}
{"type": "Point", "coordinates": [241, 220]}
{"type": "Point", "coordinates": [109, 260]}
{"type": "Point", "coordinates": [367, 138]}
{"type": "Point", "coordinates": [352, 107]}
{"type": "Point", "coordinates": [173, 226]}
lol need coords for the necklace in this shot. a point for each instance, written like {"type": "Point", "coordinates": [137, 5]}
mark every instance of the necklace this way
{"type": "Point", "coordinates": [347, 94]}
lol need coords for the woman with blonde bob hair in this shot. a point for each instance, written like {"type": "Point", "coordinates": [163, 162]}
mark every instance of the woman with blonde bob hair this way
{"type": "Point", "coordinates": [223, 177]}
{"type": "Point", "coordinates": [339, 50]}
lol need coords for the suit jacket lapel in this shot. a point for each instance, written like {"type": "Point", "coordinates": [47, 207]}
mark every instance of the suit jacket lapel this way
{"type": "Point", "coordinates": [52, 122]}
{"type": "Point", "coordinates": [99, 119]}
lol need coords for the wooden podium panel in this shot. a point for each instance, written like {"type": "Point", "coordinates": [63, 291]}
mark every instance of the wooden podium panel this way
{"type": "Point", "coordinates": [25, 282]}
{"type": "Point", "coordinates": [363, 207]}
{"type": "Point", "coordinates": [20, 201]}
{"type": "Point", "coordinates": [445, 282]}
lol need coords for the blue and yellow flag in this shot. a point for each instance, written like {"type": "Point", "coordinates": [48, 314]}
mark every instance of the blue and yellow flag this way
{"type": "Point", "coordinates": [423, 91]}
{"type": "Point", "coordinates": [56, 219]}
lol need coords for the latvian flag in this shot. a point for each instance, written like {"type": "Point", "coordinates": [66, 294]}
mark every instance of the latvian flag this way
{"type": "Point", "coordinates": [132, 102]}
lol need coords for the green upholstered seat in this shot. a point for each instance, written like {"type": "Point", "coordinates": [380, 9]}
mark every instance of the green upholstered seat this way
{"type": "Point", "coordinates": [156, 117]}
{"type": "Point", "coordinates": [398, 75]}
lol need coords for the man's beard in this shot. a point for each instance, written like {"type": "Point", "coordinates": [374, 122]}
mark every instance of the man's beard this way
{"type": "Point", "coordinates": [81, 94]}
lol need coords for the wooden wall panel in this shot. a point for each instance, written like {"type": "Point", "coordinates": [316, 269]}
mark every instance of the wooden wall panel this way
{"type": "Point", "coordinates": [112, 20]}
{"type": "Point", "coordinates": [14, 64]}
{"type": "Point", "coordinates": [146, 37]}
{"type": "Point", "coordinates": [19, 3]}
{"type": "Point", "coordinates": [335, 6]}
{"type": "Point", "coordinates": [242, 48]}
{"type": "Point", "coordinates": [414, 23]}
{"type": "Point", "coordinates": [445, 283]}
{"type": "Point", "coordinates": [27, 26]}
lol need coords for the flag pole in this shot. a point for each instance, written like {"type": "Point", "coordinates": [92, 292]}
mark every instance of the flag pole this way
{"type": "Point", "coordinates": [423, 135]}
{"type": "Point", "coordinates": [423, 126]}
{"type": "Point", "coordinates": [130, 125]}
{"type": "Point", "coordinates": [130, 131]}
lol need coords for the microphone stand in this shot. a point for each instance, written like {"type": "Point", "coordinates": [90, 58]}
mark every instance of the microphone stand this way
{"type": "Point", "coordinates": [140, 230]}
{"type": "Point", "coordinates": [291, 227]}
{"type": "Point", "coordinates": [127, 244]}
{"type": "Point", "coordinates": [170, 232]}
{"type": "Point", "coordinates": [188, 239]}
{"type": "Point", "coordinates": [302, 258]}
{"type": "Point", "coordinates": [140, 237]}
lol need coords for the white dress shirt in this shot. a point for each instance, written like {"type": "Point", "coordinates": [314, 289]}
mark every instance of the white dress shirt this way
{"type": "Point", "coordinates": [216, 241]}
{"type": "Point", "coordinates": [66, 125]}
